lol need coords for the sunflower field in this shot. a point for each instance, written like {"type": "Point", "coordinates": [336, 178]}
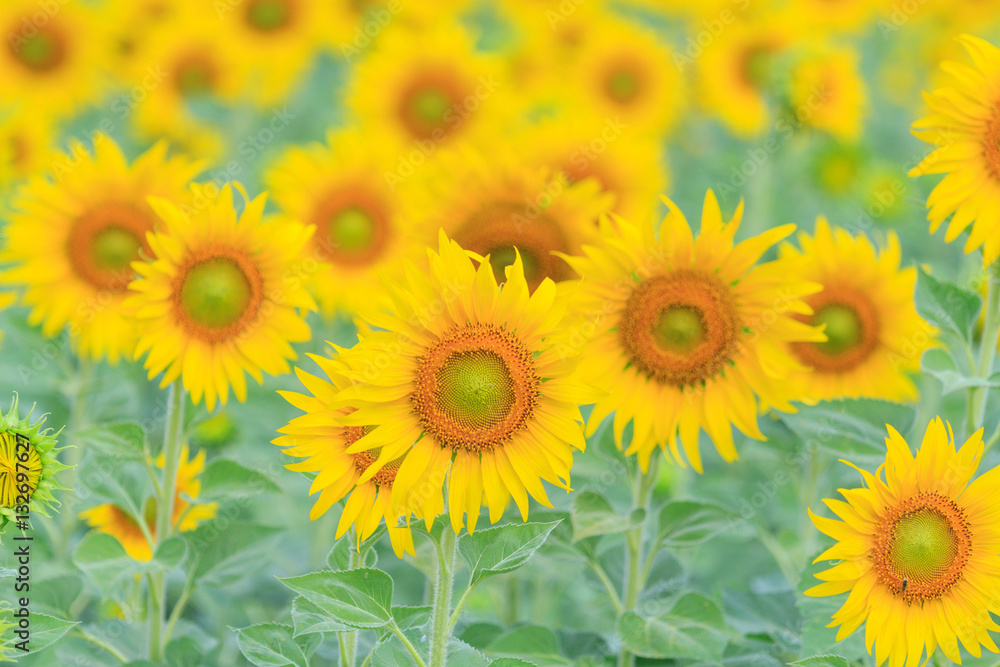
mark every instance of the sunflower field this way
{"type": "Point", "coordinates": [499, 333]}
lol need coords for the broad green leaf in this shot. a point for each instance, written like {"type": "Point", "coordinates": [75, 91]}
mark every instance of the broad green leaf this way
{"type": "Point", "coordinates": [511, 662]}
{"type": "Point", "coordinates": [480, 635]}
{"type": "Point", "coordinates": [408, 617]}
{"type": "Point", "coordinates": [823, 661]}
{"type": "Point", "coordinates": [104, 560]}
{"type": "Point", "coordinates": [391, 652]}
{"type": "Point", "coordinates": [183, 652]}
{"type": "Point", "coordinates": [356, 598]}
{"type": "Point", "coordinates": [56, 594]}
{"type": "Point", "coordinates": [125, 484]}
{"type": "Point", "coordinates": [688, 523]}
{"type": "Point", "coordinates": [946, 305]}
{"type": "Point", "coordinates": [529, 641]}
{"type": "Point", "coordinates": [501, 549]}
{"type": "Point", "coordinates": [852, 429]}
{"type": "Point", "coordinates": [693, 629]}
{"type": "Point", "coordinates": [308, 618]}
{"type": "Point", "coordinates": [592, 514]}
{"type": "Point", "coordinates": [460, 653]}
{"type": "Point", "coordinates": [941, 365]}
{"type": "Point", "coordinates": [223, 477]}
{"type": "Point", "coordinates": [340, 555]}
{"type": "Point", "coordinates": [270, 645]}
{"type": "Point", "coordinates": [45, 631]}
{"type": "Point", "coordinates": [121, 441]}
{"type": "Point", "coordinates": [170, 553]}
{"type": "Point", "coordinates": [228, 550]}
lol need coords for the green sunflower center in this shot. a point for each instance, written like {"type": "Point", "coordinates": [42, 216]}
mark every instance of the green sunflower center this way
{"type": "Point", "coordinates": [216, 293]}
{"type": "Point", "coordinates": [680, 329]}
{"type": "Point", "coordinates": [475, 389]}
{"type": "Point", "coordinates": [352, 230]}
{"type": "Point", "coordinates": [16, 449]}
{"type": "Point", "coordinates": [194, 78]}
{"type": "Point", "coordinates": [623, 85]}
{"type": "Point", "coordinates": [924, 545]}
{"type": "Point", "coordinates": [41, 52]}
{"type": "Point", "coordinates": [269, 15]}
{"type": "Point", "coordinates": [430, 105]}
{"type": "Point", "coordinates": [844, 328]}
{"type": "Point", "coordinates": [114, 248]}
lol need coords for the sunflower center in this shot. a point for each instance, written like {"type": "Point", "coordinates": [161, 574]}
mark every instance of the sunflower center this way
{"type": "Point", "coordinates": [104, 241]}
{"type": "Point", "coordinates": [17, 449]}
{"type": "Point", "coordinates": [622, 85]}
{"type": "Point", "coordinates": [500, 228]}
{"type": "Point", "coordinates": [475, 387]}
{"type": "Point", "coordinates": [680, 329]}
{"type": "Point", "coordinates": [430, 105]}
{"type": "Point", "coordinates": [42, 52]}
{"type": "Point", "coordinates": [425, 104]}
{"type": "Point", "coordinates": [195, 76]}
{"type": "Point", "coordinates": [353, 226]}
{"type": "Point", "coordinates": [268, 15]}
{"type": "Point", "coordinates": [352, 229]}
{"type": "Point", "coordinates": [852, 330]}
{"type": "Point", "coordinates": [755, 65]}
{"type": "Point", "coordinates": [216, 293]}
{"type": "Point", "coordinates": [921, 547]}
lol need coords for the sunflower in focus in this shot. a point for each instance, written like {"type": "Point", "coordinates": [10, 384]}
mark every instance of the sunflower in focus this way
{"type": "Point", "coordinates": [340, 188]}
{"type": "Point", "coordinates": [49, 62]}
{"type": "Point", "coordinates": [875, 337]}
{"type": "Point", "coordinates": [688, 334]}
{"type": "Point", "coordinates": [118, 523]}
{"type": "Point", "coordinates": [491, 204]}
{"type": "Point", "coordinates": [424, 88]}
{"type": "Point", "coordinates": [965, 125]}
{"type": "Point", "coordinates": [30, 450]}
{"type": "Point", "coordinates": [828, 92]}
{"type": "Point", "coordinates": [94, 219]}
{"type": "Point", "coordinates": [486, 382]}
{"type": "Point", "coordinates": [918, 548]}
{"type": "Point", "coordinates": [215, 301]}
{"type": "Point", "coordinates": [320, 438]}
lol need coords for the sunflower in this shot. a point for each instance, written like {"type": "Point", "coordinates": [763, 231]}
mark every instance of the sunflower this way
{"type": "Point", "coordinates": [25, 143]}
{"type": "Point", "coordinates": [424, 88]}
{"type": "Point", "coordinates": [627, 166]}
{"type": "Point", "coordinates": [340, 188]}
{"type": "Point", "coordinates": [492, 204]}
{"type": "Point", "coordinates": [51, 59]}
{"type": "Point", "coordinates": [875, 336]}
{"type": "Point", "coordinates": [821, 17]}
{"type": "Point", "coordinates": [828, 93]}
{"type": "Point", "coordinates": [687, 333]}
{"type": "Point", "coordinates": [354, 26]}
{"type": "Point", "coordinates": [113, 520]}
{"type": "Point", "coordinates": [221, 295]}
{"type": "Point", "coordinates": [917, 551]}
{"type": "Point", "coordinates": [29, 451]}
{"type": "Point", "coordinates": [71, 239]}
{"type": "Point", "coordinates": [965, 125]}
{"type": "Point", "coordinates": [480, 376]}
{"type": "Point", "coordinates": [320, 438]}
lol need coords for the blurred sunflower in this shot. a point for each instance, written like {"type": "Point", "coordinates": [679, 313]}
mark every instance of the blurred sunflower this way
{"type": "Point", "coordinates": [423, 88]}
{"type": "Point", "coordinates": [320, 438]}
{"type": "Point", "coordinates": [875, 337]}
{"type": "Point", "coordinates": [215, 301]}
{"type": "Point", "coordinates": [118, 523]}
{"type": "Point", "coordinates": [25, 142]}
{"type": "Point", "coordinates": [828, 93]}
{"type": "Point", "coordinates": [94, 218]}
{"type": "Point", "coordinates": [482, 382]}
{"type": "Point", "coordinates": [129, 25]}
{"type": "Point", "coordinates": [688, 334]}
{"type": "Point", "coordinates": [837, 168]}
{"type": "Point", "coordinates": [340, 188]}
{"type": "Point", "coordinates": [491, 204]}
{"type": "Point", "coordinates": [51, 62]}
{"type": "Point", "coordinates": [965, 125]}
{"type": "Point", "coordinates": [917, 551]}
{"type": "Point", "coordinates": [33, 449]}
{"type": "Point", "coordinates": [822, 17]}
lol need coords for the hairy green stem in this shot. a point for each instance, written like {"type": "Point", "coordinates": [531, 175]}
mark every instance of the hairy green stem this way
{"type": "Point", "coordinates": [441, 610]}
{"type": "Point", "coordinates": [987, 351]}
{"type": "Point", "coordinates": [635, 580]}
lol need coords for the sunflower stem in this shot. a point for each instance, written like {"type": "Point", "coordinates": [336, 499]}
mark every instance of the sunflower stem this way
{"type": "Point", "coordinates": [441, 610]}
{"type": "Point", "coordinates": [164, 513]}
{"type": "Point", "coordinates": [987, 351]}
{"type": "Point", "coordinates": [634, 580]}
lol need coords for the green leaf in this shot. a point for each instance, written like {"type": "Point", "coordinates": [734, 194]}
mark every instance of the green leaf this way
{"type": "Point", "coordinates": [270, 645]}
{"type": "Point", "coordinates": [408, 617]}
{"type": "Point", "coordinates": [45, 631]}
{"type": "Point", "coordinates": [222, 478]}
{"type": "Point", "coordinates": [852, 429]}
{"type": "Point", "coordinates": [688, 523]}
{"type": "Point", "coordinates": [511, 662]}
{"type": "Point", "coordinates": [308, 618]}
{"type": "Point", "coordinates": [693, 629]}
{"type": "Point", "coordinates": [592, 514]}
{"type": "Point", "coordinates": [460, 653]}
{"type": "Point", "coordinates": [823, 661]}
{"type": "Point", "coordinates": [941, 365]}
{"type": "Point", "coordinates": [57, 594]}
{"type": "Point", "coordinates": [359, 599]}
{"type": "Point", "coordinates": [480, 635]}
{"type": "Point", "coordinates": [170, 553]}
{"type": "Point", "coordinates": [501, 549]}
{"type": "Point", "coordinates": [104, 560]}
{"type": "Point", "coordinates": [183, 652]}
{"type": "Point", "coordinates": [122, 441]}
{"type": "Point", "coordinates": [227, 553]}
{"type": "Point", "coordinates": [946, 305]}
{"type": "Point", "coordinates": [340, 555]}
{"type": "Point", "coordinates": [391, 652]}
{"type": "Point", "coordinates": [530, 641]}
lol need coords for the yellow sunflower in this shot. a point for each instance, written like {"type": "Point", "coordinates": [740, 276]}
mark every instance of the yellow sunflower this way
{"type": "Point", "coordinates": [687, 333]}
{"type": "Point", "coordinates": [354, 27]}
{"type": "Point", "coordinates": [25, 144]}
{"type": "Point", "coordinates": [320, 438]}
{"type": "Point", "coordinates": [121, 525]}
{"type": "Point", "coordinates": [72, 237]}
{"type": "Point", "coordinates": [341, 189]}
{"type": "Point", "coordinates": [918, 548]}
{"type": "Point", "coordinates": [478, 375]}
{"type": "Point", "coordinates": [828, 93]}
{"type": "Point", "coordinates": [875, 336]}
{"type": "Point", "coordinates": [424, 88]}
{"type": "Point", "coordinates": [491, 204]}
{"type": "Point", "coordinates": [965, 125]}
{"type": "Point", "coordinates": [51, 59]}
{"type": "Point", "coordinates": [220, 296]}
